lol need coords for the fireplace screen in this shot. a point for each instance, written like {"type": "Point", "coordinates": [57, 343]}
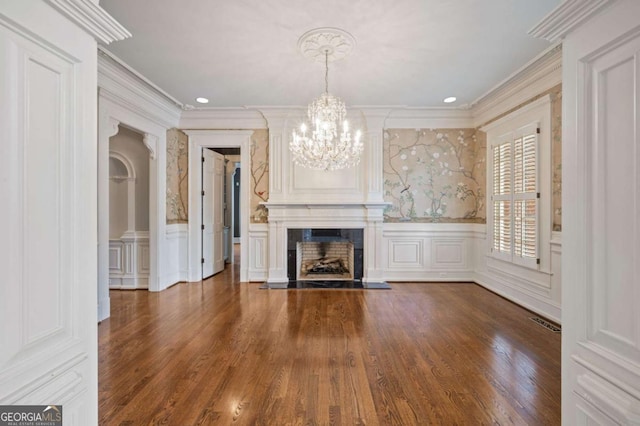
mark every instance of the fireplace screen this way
{"type": "Point", "coordinates": [332, 260]}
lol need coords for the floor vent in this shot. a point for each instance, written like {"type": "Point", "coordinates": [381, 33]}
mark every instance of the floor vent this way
{"type": "Point", "coordinates": [546, 324]}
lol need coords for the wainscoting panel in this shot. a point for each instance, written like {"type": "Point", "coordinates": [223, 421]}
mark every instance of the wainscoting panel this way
{"type": "Point", "coordinates": [258, 252]}
{"type": "Point", "coordinates": [406, 253]}
{"type": "Point", "coordinates": [430, 251]}
{"type": "Point", "coordinates": [129, 261]}
{"type": "Point", "coordinates": [115, 257]}
{"type": "Point", "coordinates": [176, 260]}
{"type": "Point", "coordinates": [448, 254]}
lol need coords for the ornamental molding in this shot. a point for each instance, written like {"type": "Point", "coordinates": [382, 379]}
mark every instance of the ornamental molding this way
{"type": "Point", "coordinates": [151, 142]}
{"type": "Point", "coordinates": [93, 19]}
{"type": "Point", "coordinates": [335, 43]}
{"type": "Point", "coordinates": [567, 16]}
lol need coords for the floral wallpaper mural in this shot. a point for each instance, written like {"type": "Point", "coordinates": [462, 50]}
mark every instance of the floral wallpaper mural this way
{"type": "Point", "coordinates": [259, 175]}
{"type": "Point", "coordinates": [177, 176]}
{"type": "Point", "coordinates": [435, 175]}
{"type": "Point", "coordinates": [556, 153]}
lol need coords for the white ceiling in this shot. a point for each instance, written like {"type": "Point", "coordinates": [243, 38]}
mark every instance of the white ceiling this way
{"type": "Point", "coordinates": [408, 52]}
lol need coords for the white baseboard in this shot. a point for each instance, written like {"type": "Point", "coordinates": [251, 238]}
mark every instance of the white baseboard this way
{"type": "Point", "coordinates": [528, 300]}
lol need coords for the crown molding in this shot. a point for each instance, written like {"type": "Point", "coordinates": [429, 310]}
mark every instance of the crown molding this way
{"type": "Point", "coordinates": [123, 86]}
{"type": "Point", "coordinates": [564, 18]}
{"type": "Point", "coordinates": [428, 118]}
{"type": "Point", "coordinates": [92, 18]}
{"type": "Point", "coordinates": [222, 118]}
{"type": "Point", "coordinates": [540, 74]}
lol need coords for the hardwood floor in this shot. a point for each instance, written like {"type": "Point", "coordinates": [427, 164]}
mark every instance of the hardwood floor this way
{"type": "Point", "coordinates": [221, 352]}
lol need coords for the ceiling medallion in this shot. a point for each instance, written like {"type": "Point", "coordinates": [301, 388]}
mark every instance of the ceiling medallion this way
{"type": "Point", "coordinates": [324, 142]}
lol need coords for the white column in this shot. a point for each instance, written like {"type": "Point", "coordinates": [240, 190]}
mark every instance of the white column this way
{"type": "Point", "coordinates": [374, 154]}
{"type": "Point", "coordinates": [375, 252]}
{"type": "Point", "coordinates": [157, 207]}
{"type": "Point", "coordinates": [107, 127]}
{"type": "Point", "coordinates": [277, 255]}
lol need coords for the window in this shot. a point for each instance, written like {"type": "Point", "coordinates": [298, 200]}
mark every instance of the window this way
{"type": "Point", "coordinates": [515, 197]}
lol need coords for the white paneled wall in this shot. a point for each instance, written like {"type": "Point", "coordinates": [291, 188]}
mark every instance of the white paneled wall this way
{"type": "Point", "coordinates": [430, 251]}
{"type": "Point", "coordinates": [439, 252]}
{"type": "Point", "coordinates": [258, 251]}
{"type": "Point", "coordinates": [176, 256]}
{"type": "Point", "coordinates": [129, 261]}
{"type": "Point", "coordinates": [447, 252]}
{"type": "Point", "coordinates": [48, 297]}
{"type": "Point", "coordinates": [601, 220]}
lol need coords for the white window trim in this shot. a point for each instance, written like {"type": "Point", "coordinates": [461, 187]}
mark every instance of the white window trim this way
{"type": "Point", "coordinates": [537, 111]}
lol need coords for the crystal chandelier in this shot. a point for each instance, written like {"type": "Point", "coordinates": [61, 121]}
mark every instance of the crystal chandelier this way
{"type": "Point", "coordinates": [325, 142]}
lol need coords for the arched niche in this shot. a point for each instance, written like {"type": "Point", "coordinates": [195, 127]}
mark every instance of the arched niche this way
{"type": "Point", "coordinates": [122, 195]}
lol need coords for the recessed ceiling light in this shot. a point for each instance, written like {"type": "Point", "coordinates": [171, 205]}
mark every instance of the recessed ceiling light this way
{"type": "Point", "coordinates": [202, 100]}
{"type": "Point", "coordinates": [450, 99]}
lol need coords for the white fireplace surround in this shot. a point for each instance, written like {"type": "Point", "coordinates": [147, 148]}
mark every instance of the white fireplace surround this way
{"type": "Point", "coordinates": [290, 215]}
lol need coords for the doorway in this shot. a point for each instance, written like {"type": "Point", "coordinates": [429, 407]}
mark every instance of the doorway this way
{"type": "Point", "coordinates": [128, 211]}
{"type": "Point", "coordinates": [213, 207]}
{"type": "Point", "coordinates": [220, 141]}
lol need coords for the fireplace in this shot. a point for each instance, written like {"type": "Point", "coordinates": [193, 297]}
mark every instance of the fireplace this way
{"type": "Point", "coordinates": [325, 254]}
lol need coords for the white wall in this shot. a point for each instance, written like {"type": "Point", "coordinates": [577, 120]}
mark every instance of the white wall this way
{"type": "Point", "coordinates": [48, 174]}
{"type": "Point", "coordinates": [600, 198]}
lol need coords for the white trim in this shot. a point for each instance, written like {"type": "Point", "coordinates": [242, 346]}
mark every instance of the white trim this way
{"type": "Point", "coordinates": [539, 75]}
{"type": "Point", "coordinates": [428, 118]}
{"type": "Point", "coordinates": [124, 86]}
{"type": "Point", "coordinates": [567, 16]}
{"type": "Point", "coordinates": [110, 111]}
{"type": "Point", "coordinates": [92, 18]}
{"type": "Point", "coordinates": [515, 114]}
{"type": "Point", "coordinates": [199, 139]}
{"type": "Point", "coordinates": [222, 118]}
{"type": "Point", "coordinates": [538, 112]}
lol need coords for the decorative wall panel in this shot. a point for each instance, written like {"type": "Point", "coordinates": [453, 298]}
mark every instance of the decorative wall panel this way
{"type": "Point", "coordinates": [259, 175]}
{"type": "Point", "coordinates": [448, 254]}
{"type": "Point", "coordinates": [406, 253]}
{"type": "Point", "coordinates": [614, 226]}
{"type": "Point", "coordinates": [434, 175]}
{"type": "Point", "coordinates": [258, 252]}
{"type": "Point", "coordinates": [177, 176]}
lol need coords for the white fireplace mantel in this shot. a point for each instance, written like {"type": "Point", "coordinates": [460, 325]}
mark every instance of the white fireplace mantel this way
{"type": "Point", "coordinates": [289, 206]}
{"type": "Point", "coordinates": [294, 215]}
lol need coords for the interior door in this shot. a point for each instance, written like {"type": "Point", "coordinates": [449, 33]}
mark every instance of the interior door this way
{"type": "Point", "coordinates": [212, 212]}
{"type": "Point", "coordinates": [208, 171]}
{"type": "Point", "coordinates": [218, 213]}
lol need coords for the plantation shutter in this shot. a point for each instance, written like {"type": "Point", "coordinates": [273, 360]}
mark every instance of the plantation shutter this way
{"type": "Point", "coordinates": [525, 197]}
{"type": "Point", "coordinates": [516, 197]}
{"type": "Point", "coordinates": [502, 198]}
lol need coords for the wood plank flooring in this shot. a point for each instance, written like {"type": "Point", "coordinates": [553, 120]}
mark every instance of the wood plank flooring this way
{"type": "Point", "coordinates": [220, 353]}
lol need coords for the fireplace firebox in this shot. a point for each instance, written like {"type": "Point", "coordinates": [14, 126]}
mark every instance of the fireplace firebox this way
{"type": "Point", "coordinates": [325, 254]}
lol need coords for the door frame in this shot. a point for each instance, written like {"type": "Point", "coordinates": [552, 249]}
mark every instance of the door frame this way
{"type": "Point", "coordinates": [110, 116]}
{"type": "Point", "coordinates": [199, 139]}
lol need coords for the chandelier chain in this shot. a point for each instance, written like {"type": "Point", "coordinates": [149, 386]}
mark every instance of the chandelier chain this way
{"type": "Point", "coordinates": [326, 71]}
